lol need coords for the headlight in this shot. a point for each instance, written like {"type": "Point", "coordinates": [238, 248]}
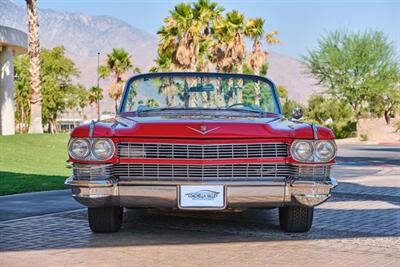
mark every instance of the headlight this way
{"type": "Point", "coordinates": [325, 150]}
{"type": "Point", "coordinates": [302, 150]}
{"type": "Point", "coordinates": [102, 149]}
{"type": "Point", "coordinates": [79, 148]}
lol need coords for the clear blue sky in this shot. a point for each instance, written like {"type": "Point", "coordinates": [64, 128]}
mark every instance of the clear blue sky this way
{"type": "Point", "coordinates": [300, 23]}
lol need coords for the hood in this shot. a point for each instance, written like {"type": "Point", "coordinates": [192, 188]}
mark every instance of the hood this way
{"type": "Point", "coordinates": [162, 127]}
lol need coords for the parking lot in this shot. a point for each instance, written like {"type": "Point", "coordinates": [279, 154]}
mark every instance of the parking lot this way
{"type": "Point", "coordinates": [359, 225]}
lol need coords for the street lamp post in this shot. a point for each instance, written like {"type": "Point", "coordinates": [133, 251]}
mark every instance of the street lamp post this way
{"type": "Point", "coordinates": [98, 86]}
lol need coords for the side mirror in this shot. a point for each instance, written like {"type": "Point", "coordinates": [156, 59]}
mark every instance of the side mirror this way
{"type": "Point", "coordinates": [297, 113]}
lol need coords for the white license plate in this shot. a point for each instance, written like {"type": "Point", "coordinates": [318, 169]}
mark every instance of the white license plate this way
{"type": "Point", "coordinates": [202, 196]}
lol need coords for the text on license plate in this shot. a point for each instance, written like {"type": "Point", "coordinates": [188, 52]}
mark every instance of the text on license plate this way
{"type": "Point", "coordinates": [205, 196]}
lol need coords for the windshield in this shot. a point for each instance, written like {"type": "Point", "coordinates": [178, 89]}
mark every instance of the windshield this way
{"type": "Point", "coordinates": [199, 91]}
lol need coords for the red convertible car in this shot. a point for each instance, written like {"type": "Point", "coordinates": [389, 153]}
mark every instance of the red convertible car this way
{"type": "Point", "coordinates": [201, 141]}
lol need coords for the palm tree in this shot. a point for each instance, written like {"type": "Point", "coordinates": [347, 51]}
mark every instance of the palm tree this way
{"type": "Point", "coordinates": [258, 58]}
{"type": "Point", "coordinates": [235, 51]}
{"type": "Point", "coordinates": [118, 63]}
{"type": "Point", "coordinates": [206, 12]}
{"type": "Point", "coordinates": [235, 46]}
{"type": "Point", "coordinates": [163, 62]}
{"type": "Point", "coordinates": [35, 100]}
{"type": "Point", "coordinates": [229, 50]}
{"type": "Point", "coordinates": [95, 96]}
{"type": "Point", "coordinates": [181, 35]}
{"type": "Point", "coordinates": [196, 36]}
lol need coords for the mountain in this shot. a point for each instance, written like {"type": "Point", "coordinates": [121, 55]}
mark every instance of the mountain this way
{"type": "Point", "coordinates": [83, 36]}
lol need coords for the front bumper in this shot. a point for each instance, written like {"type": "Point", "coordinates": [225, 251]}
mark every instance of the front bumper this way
{"type": "Point", "coordinates": [108, 192]}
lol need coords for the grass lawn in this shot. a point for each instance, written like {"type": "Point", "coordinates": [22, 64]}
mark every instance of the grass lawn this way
{"type": "Point", "coordinates": [34, 162]}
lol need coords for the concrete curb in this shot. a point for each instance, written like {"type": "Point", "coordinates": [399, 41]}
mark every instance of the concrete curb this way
{"type": "Point", "coordinates": [355, 141]}
{"type": "Point", "coordinates": [395, 143]}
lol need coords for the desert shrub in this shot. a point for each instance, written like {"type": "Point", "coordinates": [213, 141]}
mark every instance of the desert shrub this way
{"type": "Point", "coordinates": [332, 113]}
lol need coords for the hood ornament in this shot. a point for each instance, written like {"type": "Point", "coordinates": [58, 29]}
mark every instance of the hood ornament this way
{"type": "Point", "coordinates": [203, 129]}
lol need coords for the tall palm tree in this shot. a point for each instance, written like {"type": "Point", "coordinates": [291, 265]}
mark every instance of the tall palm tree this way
{"type": "Point", "coordinates": [118, 63]}
{"type": "Point", "coordinates": [235, 51]}
{"type": "Point", "coordinates": [180, 38]}
{"type": "Point", "coordinates": [206, 12]}
{"type": "Point", "coordinates": [229, 50]}
{"type": "Point", "coordinates": [35, 100]}
{"type": "Point", "coordinates": [235, 45]}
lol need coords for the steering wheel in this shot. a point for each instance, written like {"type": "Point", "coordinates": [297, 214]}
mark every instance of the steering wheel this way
{"type": "Point", "coordinates": [252, 107]}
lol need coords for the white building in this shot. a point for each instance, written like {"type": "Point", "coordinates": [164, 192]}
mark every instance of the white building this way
{"type": "Point", "coordinates": [12, 43]}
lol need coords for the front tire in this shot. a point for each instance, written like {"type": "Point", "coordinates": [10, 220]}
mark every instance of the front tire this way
{"type": "Point", "coordinates": [296, 219]}
{"type": "Point", "coordinates": [105, 219]}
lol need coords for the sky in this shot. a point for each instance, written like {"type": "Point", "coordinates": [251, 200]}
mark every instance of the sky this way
{"type": "Point", "coordinates": [300, 23]}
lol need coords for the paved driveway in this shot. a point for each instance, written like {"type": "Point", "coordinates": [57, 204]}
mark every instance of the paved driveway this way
{"type": "Point", "coordinates": [360, 225]}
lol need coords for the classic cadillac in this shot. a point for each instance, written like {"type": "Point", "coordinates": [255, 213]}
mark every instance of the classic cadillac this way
{"type": "Point", "coordinates": [200, 143]}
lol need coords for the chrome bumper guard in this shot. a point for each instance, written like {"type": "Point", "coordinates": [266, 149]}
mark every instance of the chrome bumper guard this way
{"type": "Point", "coordinates": [109, 192]}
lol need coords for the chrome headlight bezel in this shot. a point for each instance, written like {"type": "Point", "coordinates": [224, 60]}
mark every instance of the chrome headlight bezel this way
{"type": "Point", "coordinates": [318, 157]}
{"type": "Point", "coordinates": [314, 156]}
{"type": "Point", "coordinates": [109, 154]}
{"type": "Point", "coordinates": [72, 154]}
{"type": "Point", "coordinates": [295, 153]}
{"type": "Point", "coordinates": [91, 155]}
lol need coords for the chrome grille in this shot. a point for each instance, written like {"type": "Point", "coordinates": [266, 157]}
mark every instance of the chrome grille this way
{"type": "Point", "coordinates": [92, 172]}
{"type": "Point", "coordinates": [201, 173]}
{"type": "Point", "coordinates": [209, 151]}
{"type": "Point", "coordinates": [313, 172]}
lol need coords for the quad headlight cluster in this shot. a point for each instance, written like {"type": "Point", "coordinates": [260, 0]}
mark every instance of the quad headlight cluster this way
{"type": "Point", "coordinates": [91, 149]}
{"type": "Point", "coordinates": [313, 150]}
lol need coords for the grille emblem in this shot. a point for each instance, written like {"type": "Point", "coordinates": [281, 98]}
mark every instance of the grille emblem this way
{"type": "Point", "coordinates": [203, 129]}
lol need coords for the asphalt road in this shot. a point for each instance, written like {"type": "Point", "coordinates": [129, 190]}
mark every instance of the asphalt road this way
{"type": "Point", "coordinates": [368, 155]}
{"type": "Point", "coordinates": [353, 161]}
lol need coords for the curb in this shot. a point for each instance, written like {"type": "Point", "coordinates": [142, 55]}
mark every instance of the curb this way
{"type": "Point", "coordinates": [358, 142]}
{"type": "Point", "coordinates": [396, 143]}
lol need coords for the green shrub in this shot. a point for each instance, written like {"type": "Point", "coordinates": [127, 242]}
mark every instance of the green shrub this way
{"type": "Point", "coordinates": [364, 137]}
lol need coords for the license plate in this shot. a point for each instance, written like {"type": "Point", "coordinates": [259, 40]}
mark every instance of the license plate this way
{"type": "Point", "coordinates": [202, 196]}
